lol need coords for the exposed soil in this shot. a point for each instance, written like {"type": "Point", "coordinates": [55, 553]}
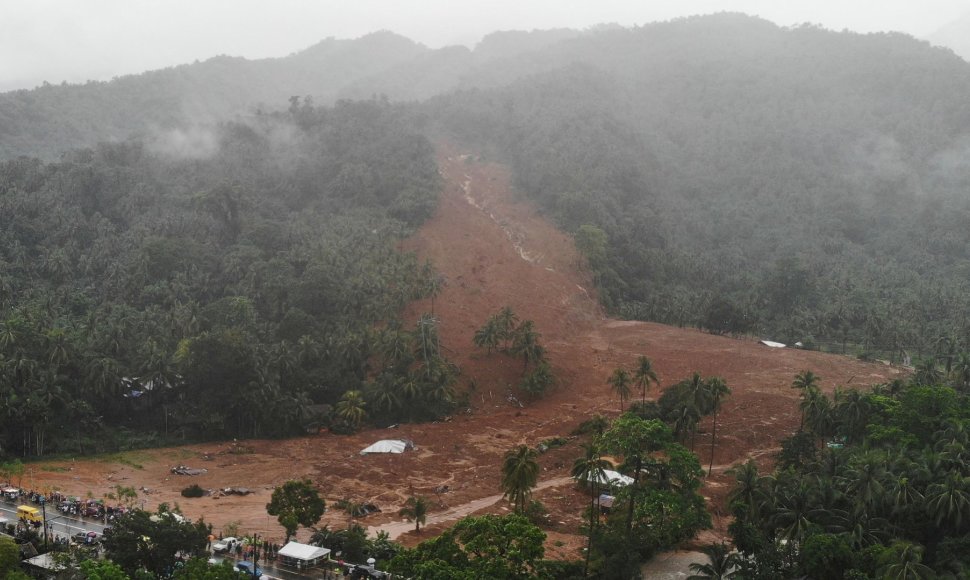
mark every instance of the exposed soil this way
{"type": "Point", "coordinates": [494, 250]}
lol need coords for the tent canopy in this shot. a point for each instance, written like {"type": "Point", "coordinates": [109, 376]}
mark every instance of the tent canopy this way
{"type": "Point", "coordinates": [772, 343]}
{"type": "Point", "coordinates": [388, 446]}
{"type": "Point", "coordinates": [299, 551]}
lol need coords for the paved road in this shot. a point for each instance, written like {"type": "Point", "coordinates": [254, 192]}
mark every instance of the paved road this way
{"type": "Point", "coordinates": [271, 571]}
{"type": "Point", "coordinates": [65, 525]}
{"type": "Point", "coordinates": [61, 524]}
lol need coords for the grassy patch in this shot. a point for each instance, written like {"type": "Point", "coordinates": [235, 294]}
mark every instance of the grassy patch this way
{"type": "Point", "coordinates": [182, 454]}
{"type": "Point", "coordinates": [54, 468]}
{"type": "Point", "coordinates": [125, 458]}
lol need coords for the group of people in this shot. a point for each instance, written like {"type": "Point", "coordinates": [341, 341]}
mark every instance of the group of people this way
{"type": "Point", "coordinates": [90, 508]}
{"type": "Point", "coordinates": [65, 504]}
{"type": "Point", "coordinates": [265, 551]}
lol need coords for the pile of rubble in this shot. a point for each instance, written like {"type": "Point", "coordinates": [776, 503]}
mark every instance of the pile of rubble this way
{"type": "Point", "coordinates": [185, 470]}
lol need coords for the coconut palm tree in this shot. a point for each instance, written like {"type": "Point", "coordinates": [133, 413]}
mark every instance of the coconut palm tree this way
{"type": "Point", "coordinates": [506, 321]}
{"type": "Point", "coordinates": [435, 284]}
{"type": "Point", "coordinates": [590, 468]}
{"type": "Point", "coordinates": [906, 563]}
{"type": "Point", "coordinates": [539, 380]}
{"type": "Point", "coordinates": [858, 527]}
{"type": "Point", "coordinates": [488, 336]}
{"type": "Point", "coordinates": [717, 390]}
{"type": "Point", "coordinates": [416, 510]}
{"type": "Point", "coordinates": [747, 488]}
{"type": "Point", "coordinates": [427, 346]}
{"type": "Point", "coordinates": [103, 376]}
{"type": "Point", "coordinates": [619, 381]}
{"type": "Point", "coordinates": [946, 349]}
{"type": "Point", "coordinates": [721, 563]}
{"type": "Point", "coordinates": [285, 361]}
{"type": "Point", "coordinates": [960, 376]}
{"type": "Point", "coordinates": [865, 480]}
{"type": "Point", "coordinates": [805, 380]}
{"type": "Point", "coordinates": [852, 410]}
{"type": "Point", "coordinates": [905, 495]}
{"type": "Point", "coordinates": [643, 376]}
{"type": "Point", "coordinates": [383, 393]}
{"type": "Point", "coordinates": [352, 408]}
{"type": "Point", "coordinates": [696, 395]}
{"type": "Point", "coordinates": [525, 343]}
{"type": "Point", "coordinates": [685, 421]}
{"type": "Point", "coordinates": [793, 512]}
{"type": "Point", "coordinates": [926, 373]}
{"type": "Point", "coordinates": [520, 473]}
{"type": "Point", "coordinates": [816, 410]}
{"type": "Point", "coordinates": [949, 501]}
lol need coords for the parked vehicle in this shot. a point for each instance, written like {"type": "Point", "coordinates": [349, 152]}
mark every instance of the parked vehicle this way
{"type": "Point", "coordinates": [247, 568]}
{"type": "Point", "coordinates": [224, 545]}
{"type": "Point", "coordinates": [28, 514]}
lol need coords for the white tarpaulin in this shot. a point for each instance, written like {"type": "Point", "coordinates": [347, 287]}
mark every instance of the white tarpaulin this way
{"type": "Point", "coordinates": [614, 478]}
{"type": "Point", "coordinates": [772, 343]}
{"type": "Point", "coordinates": [387, 446]}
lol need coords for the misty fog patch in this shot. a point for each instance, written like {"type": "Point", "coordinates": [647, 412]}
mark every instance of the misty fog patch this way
{"type": "Point", "coordinates": [195, 142]}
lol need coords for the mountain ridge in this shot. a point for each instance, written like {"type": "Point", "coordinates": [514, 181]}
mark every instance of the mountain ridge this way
{"type": "Point", "coordinates": [51, 119]}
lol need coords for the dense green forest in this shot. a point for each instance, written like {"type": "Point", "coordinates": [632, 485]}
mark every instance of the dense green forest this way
{"type": "Point", "coordinates": [888, 496]}
{"type": "Point", "coordinates": [801, 184]}
{"type": "Point", "coordinates": [152, 290]}
{"type": "Point", "coordinates": [720, 171]}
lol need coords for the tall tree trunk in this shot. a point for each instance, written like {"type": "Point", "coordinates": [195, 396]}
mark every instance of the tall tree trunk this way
{"type": "Point", "coordinates": [633, 490]}
{"type": "Point", "coordinates": [710, 468]}
{"type": "Point", "coordinates": [589, 542]}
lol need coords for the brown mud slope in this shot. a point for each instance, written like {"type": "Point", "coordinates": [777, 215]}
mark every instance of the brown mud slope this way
{"type": "Point", "coordinates": [493, 250]}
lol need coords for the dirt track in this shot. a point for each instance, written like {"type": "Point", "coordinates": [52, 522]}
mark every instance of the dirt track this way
{"type": "Point", "coordinates": [493, 251]}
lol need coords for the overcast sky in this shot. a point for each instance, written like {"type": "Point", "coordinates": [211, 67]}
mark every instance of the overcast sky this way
{"type": "Point", "coordinates": [77, 40]}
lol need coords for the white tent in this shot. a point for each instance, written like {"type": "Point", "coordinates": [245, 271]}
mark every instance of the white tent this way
{"type": "Point", "coordinates": [302, 555]}
{"type": "Point", "coordinates": [388, 446]}
{"type": "Point", "coordinates": [772, 343]}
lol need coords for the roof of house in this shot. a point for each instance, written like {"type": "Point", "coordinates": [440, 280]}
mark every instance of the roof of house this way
{"type": "Point", "coordinates": [388, 446]}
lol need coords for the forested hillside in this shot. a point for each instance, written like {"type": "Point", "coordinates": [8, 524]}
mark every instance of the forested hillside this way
{"type": "Point", "coordinates": [217, 289]}
{"type": "Point", "coordinates": [721, 171]}
{"type": "Point", "coordinates": [55, 118]}
{"type": "Point", "coordinates": [800, 184]}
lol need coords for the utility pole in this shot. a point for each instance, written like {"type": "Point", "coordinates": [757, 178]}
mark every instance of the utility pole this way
{"type": "Point", "coordinates": [43, 508]}
{"type": "Point", "coordinates": [255, 554]}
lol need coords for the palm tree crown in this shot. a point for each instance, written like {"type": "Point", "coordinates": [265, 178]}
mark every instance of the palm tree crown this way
{"type": "Point", "coordinates": [619, 381]}
{"type": "Point", "coordinates": [520, 472]}
{"type": "Point", "coordinates": [644, 375]}
{"type": "Point", "coordinates": [416, 510]}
